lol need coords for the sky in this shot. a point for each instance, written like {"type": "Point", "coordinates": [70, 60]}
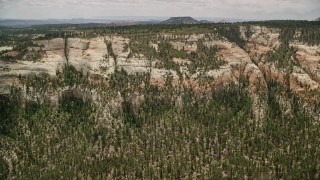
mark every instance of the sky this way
{"type": "Point", "coordinates": [239, 9]}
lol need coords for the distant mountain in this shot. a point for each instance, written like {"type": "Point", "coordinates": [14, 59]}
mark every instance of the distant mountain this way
{"type": "Point", "coordinates": [180, 20]}
{"type": "Point", "coordinates": [205, 21]}
{"type": "Point", "coordinates": [20, 23]}
{"type": "Point", "coordinates": [318, 19]}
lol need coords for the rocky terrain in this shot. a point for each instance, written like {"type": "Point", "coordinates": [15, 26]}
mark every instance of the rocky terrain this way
{"type": "Point", "coordinates": [91, 57]}
{"type": "Point", "coordinates": [177, 79]}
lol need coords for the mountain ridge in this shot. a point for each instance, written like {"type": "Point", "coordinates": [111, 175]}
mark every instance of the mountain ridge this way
{"type": "Point", "coordinates": [181, 20]}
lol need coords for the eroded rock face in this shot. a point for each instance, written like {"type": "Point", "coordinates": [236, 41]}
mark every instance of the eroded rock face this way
{"type": "Point", "coordinates": [303, 85]}
{"type": "Point", "coordinates": [308, 58]}
{"type": "Point", "coordinates": [11, 72]}
{"type": "Point", "coordinates": [261, 42]}
{"type": "Point", "coordinates": [91, 56]}
{"type": "Point", "coordinates": [87, 55]}
{"type": "Point", "coordinates": [304, 76]}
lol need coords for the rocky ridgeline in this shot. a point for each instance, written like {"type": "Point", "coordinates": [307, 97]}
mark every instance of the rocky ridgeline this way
{"type": "Point", "coordinates": [92, 58]}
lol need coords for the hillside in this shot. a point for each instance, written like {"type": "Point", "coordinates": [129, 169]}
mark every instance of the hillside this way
{"type": "Point", "coordinates": [318, 19]}
{"type": "Point", "coordinates": [205, 101]}
{"type": "Point", "coordinates": [180, 20]}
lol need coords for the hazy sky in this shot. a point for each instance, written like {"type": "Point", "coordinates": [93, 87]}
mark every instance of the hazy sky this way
{"type": "Point", "coordinates": [241, 9]}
